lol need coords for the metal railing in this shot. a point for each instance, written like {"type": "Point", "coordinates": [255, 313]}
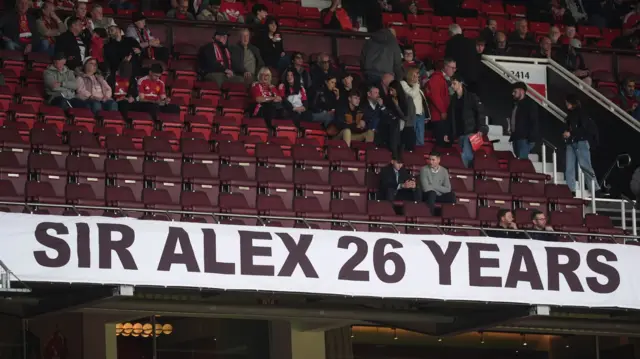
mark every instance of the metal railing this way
{"type": "Point", "coordinates": [6, 277]}
{"type": "Point", "coordinates": [554, 160]}
{"type": "Point", "coordinates": [266, 220]}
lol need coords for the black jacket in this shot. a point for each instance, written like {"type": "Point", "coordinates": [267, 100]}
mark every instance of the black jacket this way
{"type": "Point", "coordinates": [116, 51]}
{"type": "Point", "coordinates": [526, 121]}
{"type": "Point", "coordinates": [323, 100]}
{"type": "Point", "coordinates": [237, 59]}
{"type": "Point", "coordinates": [67, 43]}
{"type": "Point", "coordinates": [582, 127]}
{"type": "Point", "coordinates": [388, 179]}
{"type": "Point", "coordinates": [572, 61]}
{"type": "Point", "coordinates": [489, 38]}
{"type": "Point", "coordinates": [207, 61]}
{"type": "Point", "coordinates": [463, 51]}
{"type": "Point", "coordinates": [269, 49]}
{"type": "Point", "coordinates": [318, 76]}
{"type": "Point", "coordinates": [472, 120]}
{"type": "Point", "coordinates": [10, 27]}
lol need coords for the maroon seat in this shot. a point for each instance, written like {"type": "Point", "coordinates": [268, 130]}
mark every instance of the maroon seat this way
{"type": "Point", "coordinates": [345, 160]}
{"type": "Point", "coordinates": [595, 221]}
{"type": "Point", "coordinates": [158, 175]}
{"type": "Point", "coordinates": [559, 218]}
{"type": "Point", "coordinates": [82, 194]}
{"type": "Point", "coordinates": [418, 212]}
{"type": "Point", "coordinates": [488, 168]}
{"type": "Point", "coordinates": [124, 149]}
{"type": "Point", "coordinates": [413, 162]}
{"type": "Point", "coordinates": [376, 158]}
{"type": "Point", "coordinates": [382, 211]}
{"type": "Point", "coordinates": [491, 194]}
{"type": "Point", "coordinates": [530, 196]}
{"type": "Point", "coordinates": [124, 197]}
{"type": "Point", "coordinates": [523, 171]}
{"type": "Point", "coordinates": [457, 215]}
{"type": "Point", "coordinates": [357, 194]}
{"type": "Point", "coordinates": [234, 154]}
{"type": "Point", "coordinates": [85, 144]}
{"type": "Point", "coordinates": [272, 156]}
{"type": "Point", "coordinates": [464, 196]}
{"type": "Point", "coordinates": [12, 145]}
{"type": "Point", "coordinates": [160, 150]}
{"type": "Point", "coordinates": [120, 172]}
{"type": "Point", "coordinates": [308, 158]}
{"type": "Point", "coordinates": [561, 198]}
{"type": "Point", "coordinates": [523, 218]}
{"type": "Point", "coordinates": [9, 193]}
{"type": "Point", "coordinates": [608, 235]}
{"type": "Point", "coordinates": [161, 199]}
{"type": "Point", "coordinates": [309, 184]}
{"type": "Point", "coordinates": [488, 216]}
{"type": "Point", "coordinates": [273, 205]}
{"type": "Point", "coordinates": [43, 192]}
{"type": "Point", "coordinates": [237, 203]}
{"type": "Point", "coordinates": [197, 152]}
{"type": "Point", "coordinates": [453, 163]}
{"type": "Point", "coordinates": [348, 210]}
{"type": "Point", "coordinates": [45, 168]}
{"type": "Point", "coordinates": [310, 208]}
{"type": "Point", "coordinates": [47, 140]}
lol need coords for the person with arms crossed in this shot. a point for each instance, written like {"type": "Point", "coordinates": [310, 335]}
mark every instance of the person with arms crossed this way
{"type": "Point", "coordinates": [435, 183]}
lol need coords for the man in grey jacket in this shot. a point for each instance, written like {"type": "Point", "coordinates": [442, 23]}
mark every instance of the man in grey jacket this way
{"type": "Point", "coordinates": [381, 54]}
{"type": "Point", "coordinates": [60, 84]}
{"type": "Point", "coordinates": [435, 184]}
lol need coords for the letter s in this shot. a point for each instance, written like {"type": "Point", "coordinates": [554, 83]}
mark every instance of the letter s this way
{"type": "Point", "coordinates": [57, 244]}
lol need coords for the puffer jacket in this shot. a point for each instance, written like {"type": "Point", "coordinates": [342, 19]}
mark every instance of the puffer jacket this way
{"type": "Point", "coordinates": [381, 54]}
{"type": "Point", "coordinates": [85, 86]}
{"type": "Point", "coordinates": [66, 78]}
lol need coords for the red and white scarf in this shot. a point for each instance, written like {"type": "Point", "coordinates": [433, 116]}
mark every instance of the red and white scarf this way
{"type": "Point", "coordinates": [145, 36]}
{"type": "Point", "coordinates": [219, 57]}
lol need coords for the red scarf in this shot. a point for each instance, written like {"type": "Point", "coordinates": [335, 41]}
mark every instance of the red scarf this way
{"type": "Point", "coordinates": [219, 57]}
{"type": "Point", "coordinates": [24, 29]}
{"type": "Point", "coordinates": [50, 25]}
{"type": "Point", "coordinates": [145, 36]}
{"type": "Point", "coordinates": [121, 88]}
{"type": "Point", "coordinates": [181, 16]}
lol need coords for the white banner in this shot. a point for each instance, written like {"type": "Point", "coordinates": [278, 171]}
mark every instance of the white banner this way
{"type": "Point", "coordinates": [104, 250]}
{"type": "Point", "coordinates": [534, 75]}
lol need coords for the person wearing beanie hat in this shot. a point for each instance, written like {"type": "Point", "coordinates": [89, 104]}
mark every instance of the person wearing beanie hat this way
{"type": "Point", "coordinates": [138, 30]}
{"type": "Point", "coordinates": [215, 60]}
{"type": "Point", "coordinates": [523, 123]}
{"type": "Point", "coordinates": [152, 95]}
{"type": "Point", "coordinates": [94, 89]}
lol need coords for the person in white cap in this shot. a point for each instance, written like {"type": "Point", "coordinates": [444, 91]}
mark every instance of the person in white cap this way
{"type": "Point", "coordinates": [94, 89]}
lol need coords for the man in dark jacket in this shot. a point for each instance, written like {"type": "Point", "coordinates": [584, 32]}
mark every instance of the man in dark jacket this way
{"type": "Point", "coordinates": [322, 69]}
{"type": "Point", "coordinates": [75, 47]}
{"type": "Point", "coordinates": [523, 123]}
{"type": "Point", "coordinates": [120, 47]}
{"type": "Point", "coordinates": [245, 58]}
{"type": "Point", "coordinates": [381, 54]}
{"type": "Point", "coordinates": [214, 60]}
{"type": "Point", "coordinates": [18, 29]}
{"type": "Point", "coordinates": [463, 51]}
{"type": "Point", "coordinates": [488, 34]}
{"type": "Point", "coordinates": [350, 121]}
{"type": "Point", "coordinates": [466, 116]}
{"type": "Point", "coordinates": [397, 183]}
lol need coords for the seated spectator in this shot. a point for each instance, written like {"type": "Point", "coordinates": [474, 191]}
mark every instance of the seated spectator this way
{"type": "Point", "coordinates": [258, 15]}
{"type": "Point", "coordinates": [466, 117]}
{"type": "Point", "coordinates": [381, 54]}
{"type": "Point", "coordinates": [506, 228]}
{"type": "Point", "coordinates": [246, 59]}
{"type": "Point", "coordinates": [569, 34]}
{"type": "Point", "coordinates": [554, 34]}
{"type": "Point", "coordinates": [325, 101]}
{"type": "Point", "coordinates": [231, 11]}
{"type": "Point", "coordinates": [335, 17]}
{"type": "Point", "coordinates": [265, 96]}
{"type": "Point", "coordinates": [631, 21]}
{"type": "Point", "coordinates": [522, 34]}
{"type": "Point", "coordinates": [73, 45]}
{"type": "Point", "coordinates": [397, 183]}
{"type": "Point", "coordinates": [120, 47]}
{"type": "Point", "coordinates": [125, 89]}
{"type": "Point", "coordinates": [350, 124]}
{"type": "Point", "coordinates": [181, 12]}
{"type": "Point", "coordinates": [435, 183]}
{"type": "Point", "coordinates": [60, 84]}
{"type": "Point", "coordinates": [49, 27]}
{"type": "Point", "coordinates": [437, 91]}
{"type": "Point", "coordinates": [152, 95]}
{"type": "Point", "coordinates": [19, 30]}
{"type": "Point", "coordinates": [98, 38]}
{"type": "Point", "coordinates": [322, 69]}
{"type": "Point", "coordinates": [297, 63]}
{"type": "Point", "coordinates": [501, 45]}
{"type": "Point", "coordinates": [488, 34]}
{"type": "Point", "coordinates": [98, 19]}
{"type": "Point", "coordinates": [214, 60]}
{"type": "Point", "coordinates": [573, 61]}
{"type": "Point", "coordinates": [80, 12]}
{"type": "Point", "coordinates": [92, 88]}
{"type": "Point", "coordinates": [271, 46]}
{"type": "Point", "coordinates": [401, 118]}
{"type": "Point", "coordinates": [544, 51]}
{"type": "Point", "coordinates": [628, 98]}
{"type": "Point", "coordinates": [539, 220]}
{"type": "Point", "coordinates": [294, 97]}
{"type": "Point", "coordinates": [481, 46]}
{"type": "Point", "coordinates": [151, 47]}
{"type": "Point", "coordinates": [411, 86]}
{"type": "Point", "coordinates": [345, 86]}
{"type": "Point", "coordinates": [409, 60]}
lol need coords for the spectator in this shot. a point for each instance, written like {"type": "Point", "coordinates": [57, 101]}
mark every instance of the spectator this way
{"type": "Point", "coordinates": [409, 60]}
{"type": "Point", "coordinates": [437, 91]}
{"type": "Point", "coordinates": [335, 17]}
{"type": "Point", "coordinates": [258, 15]}
{"type": "Point", "coordinates": [151, 47]}
{"type": "Point", "coordinates": [60, 84]}
{"type": "Point", "coordinates": [380, 55]}
{"type": "Point", "coordinates": [554, 34]}
{"type": "Point", "coordinates": [607, 13]}
{"type": "Point", "coordinates": [411, 86]}
{"type": "Point", "coordinates": [569, 34]}
{"type": "Point", "coordinates": [402, 133]}
{"type": "Point", "coordinates": [126, 4]}
{"type": "Point", "coordinates": [152, 95]}
{"type": "Point", "coordinates": [294, 97]}
{"type": "Point", "coordinates": [346, 84]}
{"type": "Point", "coordinates": [466, 117]}
{"type": "Point", "coordinates": [98, 19]}
{"type": "Point", "coordinates": [49, 26]}
{"type": "Point", "coordinates": [560, 13]}
{"type": "Point", "coordinates": [214, 60]}
{"type": "Point", "coordinates": [523, 123]}
{"type": "Point", "coordinates": [573, 61]}
{"type": "Point", "coordinates": [92, 88]}
{"type": "Point", "coordinates": [544, 51]}
{"type": "Point", "coordinates": [522, 34]}
{"type": "Point", "coordinates": [539, 220]}
{"type": "Point", "coordinates": [376, 115]}
{"type": "Point", "coordinates": [506, 228]}
{"type": "Point", "coordinates": [463, 51]}
{"type": "Point", "coordinates": [325, 101]}
{"type": "Point", "coordinates": [481, 46]}
{"type": "Point", "coordinates": [231, 11]}
{"type": "Point", "coordinates": [98, 36]}
{"type": "Point", "coordinates": [488, 34]}
{"type": "Point", "coordinates": [384, 88]}
{"type": "Point", "coordinates": [297, 63]}
{"type": "Point", "coordinates": [181, 12]}
{"type": "Point", "coordinates": [18, 29]}
{"type": "Point", "coordinates": [350, 124]}
{"type": "Point", "coordinates": [577, 11]}
{"type": "Point", "coordinates": [628, 98]}
{"type": "Point", "coordinates": [580, 135]}
{"type": "Point", "coordinates": [435, 184]}
{"type": "Point", "coordinates": [124, 89]}
{"type": "Point", "coordinates": [501, 45]}
{"type": "Point", "coordinates": [322, 69]}
{"type": "Point", "coordinates": [80, 12]}
{"type": "Point", "coordinates": [265, 96]}
{"type": "Point", "coordinates": [626, 42]}
{"type": "Point", "coordinates": [73, 45]}
{"type": "Point", "coordinates": [397, 183]}
{"type": "Point", "coordinates": [271, 45]}
{"type": "Point", "coordinates": [246, 59]}
{"type": "Point", "coordinates": [120, 47]}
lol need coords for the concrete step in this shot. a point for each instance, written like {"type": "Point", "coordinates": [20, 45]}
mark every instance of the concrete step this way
{"type": "Point", "coordinates": [549, 170]}
{"type": "Point", "coordinates": [495, 130]}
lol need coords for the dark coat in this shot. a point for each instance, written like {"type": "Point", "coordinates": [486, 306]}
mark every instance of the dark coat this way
{"type": "Point", "coordinates": [237, 58]}
{"type": "Point", "coordinates": [67, 43]}
{"type": "Point", "coordinates": [526, 121]}
{"type": "Point", "coordinates": [463, 51]}
{"type": "Point", "coordinates": [472, 115]}
{"type": "Point", "coordinates": [323, 100]}
{"type": "Point", "coordinates": [116, 51]}
{"type": "Point", "coordinates": [207, 62]}
{"type": "Point", "coordinates": [269, 49]}
{"type": "Point", "coordinates": [10, 27]}
{"type": "Point", "coordinates": [388, 179]}
{"type": "Point", "coordinates": [582, 127]}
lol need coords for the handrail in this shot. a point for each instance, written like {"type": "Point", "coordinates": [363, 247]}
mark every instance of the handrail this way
{"type": "Point", "coordinates": [554, 159]}
{"type": "Point", "coordinates": [595, 95]}
{"type": "Point", "coordinates": [439, 227]}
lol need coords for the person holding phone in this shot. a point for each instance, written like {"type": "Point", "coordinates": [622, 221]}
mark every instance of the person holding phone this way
{"type": "Point", "coordinates": [397, 183]}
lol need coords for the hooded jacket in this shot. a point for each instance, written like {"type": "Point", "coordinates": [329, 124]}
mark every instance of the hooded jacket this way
{"type": "Point", "coordinates": [381, 54]}
{"type": "Point", "coordinates": [67, 80]}
{"type": "Point", "coordinates": [85, 86]}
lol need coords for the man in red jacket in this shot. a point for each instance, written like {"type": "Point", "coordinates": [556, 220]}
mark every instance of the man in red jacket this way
{"type": "Point", "coordinates": [437, 92]}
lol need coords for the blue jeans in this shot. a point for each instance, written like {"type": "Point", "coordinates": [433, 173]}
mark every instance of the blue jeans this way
{"type": "Point", "coordinates": [68, 103]}
{"type": "Point", "coordinates": [578, 154]}
{"type": "Point", "coordinates": [467, 150]}
{"type": "Point", "coordinates": [46, 46]}
{"type": "Point", "coordinates": [521, 148]}
{"type": "Point", "coordinates": [419, 128]}
{"type": "Point", "coordinates": [13, 46]}
{"type": "Point", "coordinates": [97, 106]}
{"type": "Point", "coordinates": [325, 117]}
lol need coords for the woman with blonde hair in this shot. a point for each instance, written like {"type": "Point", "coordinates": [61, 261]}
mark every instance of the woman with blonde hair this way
{"type": "Point", "coordinates": [93, 88]}
{"type": "Point", "coordinates": [265, 96]}
{"type": "Point", "coordinates": [411, 85]}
